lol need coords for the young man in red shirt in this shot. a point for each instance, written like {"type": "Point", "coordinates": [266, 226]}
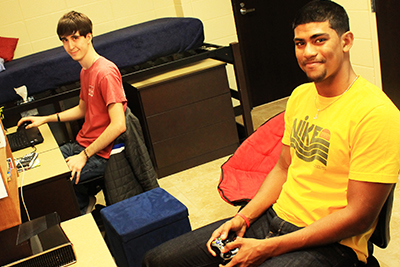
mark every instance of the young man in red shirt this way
{"type": "Point", "coordinates": [102, 105]}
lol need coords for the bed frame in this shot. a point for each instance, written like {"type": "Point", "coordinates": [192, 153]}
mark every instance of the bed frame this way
{"type": "Point", "coordinates": [139, 51]}
{"type": "Point", "coordinates": [230, 54]}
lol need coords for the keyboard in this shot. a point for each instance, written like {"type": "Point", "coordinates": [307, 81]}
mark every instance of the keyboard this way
{"type": "Point", "coordinates": [24, 138]}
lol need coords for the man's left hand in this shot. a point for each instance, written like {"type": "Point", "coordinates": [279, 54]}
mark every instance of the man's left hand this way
{"type": "Point", "coordinates": [75, 164]}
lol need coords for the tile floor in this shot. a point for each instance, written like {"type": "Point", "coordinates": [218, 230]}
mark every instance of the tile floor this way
{"type": "Point", "coordinates": [197, 189]}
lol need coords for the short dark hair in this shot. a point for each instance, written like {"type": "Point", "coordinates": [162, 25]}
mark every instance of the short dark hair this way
{"type": "Point", "coordinates": [323, 10]}
{"type": "Point", "coordinates": [73, 22]}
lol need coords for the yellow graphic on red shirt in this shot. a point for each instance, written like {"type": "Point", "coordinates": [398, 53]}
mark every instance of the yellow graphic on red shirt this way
{"type": "Point", "coordinates": [310, 141]}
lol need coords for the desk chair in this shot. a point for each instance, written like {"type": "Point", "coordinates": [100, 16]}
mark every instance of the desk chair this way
{"type": "Point", "coordinates": [128, 172]}
{"type": "Point", "coordinates": [259, 153]}
{"type": "Point", "coordinates": [381, 235]}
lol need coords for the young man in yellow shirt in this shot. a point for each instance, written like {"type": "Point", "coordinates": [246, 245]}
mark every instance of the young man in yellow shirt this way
{"type": "Point", "coordinates": [339, 161]}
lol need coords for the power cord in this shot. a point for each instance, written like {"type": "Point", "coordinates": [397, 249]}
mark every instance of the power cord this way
{"type": "Point", "coordinates": [22, 181]}
{"type": "Point", "coordinates": [21, 191]}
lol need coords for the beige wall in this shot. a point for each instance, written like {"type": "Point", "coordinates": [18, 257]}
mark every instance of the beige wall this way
{"type": "Point", "coordinates": [217, 18]}
{"type": "Point", "coordinates": [365, 52]}
{"type": "Point", "coordinates": [34, 22]}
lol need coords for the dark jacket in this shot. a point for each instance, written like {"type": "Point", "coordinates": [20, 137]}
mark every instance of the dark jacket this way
{"type": "Point", "coordinates": [131, 171]}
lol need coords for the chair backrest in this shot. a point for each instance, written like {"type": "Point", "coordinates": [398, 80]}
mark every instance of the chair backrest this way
{"type": "Point", "coordinates": [244, 172]}
{"type": "Point", "coordinates": [381, 235]}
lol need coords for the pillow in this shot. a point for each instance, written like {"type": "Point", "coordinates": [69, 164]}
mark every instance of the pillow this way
{"type": "Point", "coordinates": [7, 48]}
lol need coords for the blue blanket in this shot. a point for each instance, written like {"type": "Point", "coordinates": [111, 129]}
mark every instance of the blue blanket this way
{"type": "Point", "coordinates": [125, 47]}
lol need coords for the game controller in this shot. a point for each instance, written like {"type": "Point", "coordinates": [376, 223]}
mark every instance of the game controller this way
{"type": "Point", "coordinates": [218, 245]}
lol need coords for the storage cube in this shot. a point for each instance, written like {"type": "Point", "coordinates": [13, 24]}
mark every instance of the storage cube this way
{"type": "Point", "coordinates": [137, 224]}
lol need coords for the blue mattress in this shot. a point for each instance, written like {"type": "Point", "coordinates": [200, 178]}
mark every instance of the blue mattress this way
{"type": "Point", "coordinates": [125, 47]}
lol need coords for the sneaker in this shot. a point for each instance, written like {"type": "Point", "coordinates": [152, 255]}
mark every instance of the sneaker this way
{"type": "Point", "coordinates": [92, 202]}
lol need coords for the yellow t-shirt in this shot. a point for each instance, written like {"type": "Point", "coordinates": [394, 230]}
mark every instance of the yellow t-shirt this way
{"type": "Point", "coordinates": [355, 136]}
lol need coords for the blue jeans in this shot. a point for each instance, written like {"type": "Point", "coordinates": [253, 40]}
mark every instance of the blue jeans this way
{"type": "Point", "coordinates": [95, 166]}
{"type": "Point", "coordinates": [190, 249]}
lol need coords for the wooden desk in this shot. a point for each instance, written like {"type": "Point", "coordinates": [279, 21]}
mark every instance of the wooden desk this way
{"type": "Point", "coordinates": [47, 188]}
{"type": "Point", "coordinates": [89, 245]}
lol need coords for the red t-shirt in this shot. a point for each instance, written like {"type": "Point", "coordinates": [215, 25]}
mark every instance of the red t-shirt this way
{"type": "Point", "coordinates": [101, 85]}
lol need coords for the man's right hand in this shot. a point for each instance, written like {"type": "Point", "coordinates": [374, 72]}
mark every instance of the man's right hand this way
{"type": "Point", "coordinates": [36, 121]}
{"type": "Point", "coordinates": [236, 225]}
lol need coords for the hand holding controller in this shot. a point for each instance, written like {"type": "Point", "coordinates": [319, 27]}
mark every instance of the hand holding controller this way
{"type": "Point", "coordinates": [218, 245]}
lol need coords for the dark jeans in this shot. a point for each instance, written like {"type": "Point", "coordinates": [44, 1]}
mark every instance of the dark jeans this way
{"type": "Point", "coordinates": [95, 166]}
{"type": "Point", "coordinates": [190, 249]}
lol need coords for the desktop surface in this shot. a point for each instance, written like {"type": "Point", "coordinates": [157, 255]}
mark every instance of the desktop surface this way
{"type": "Point", "coordinates": [88, 243]}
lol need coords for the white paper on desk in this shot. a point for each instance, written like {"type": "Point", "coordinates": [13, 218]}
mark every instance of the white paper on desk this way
{"type": "Point", "coordinates": [3, 191]}
{"type": "Point", "coordinates": [2, 139]}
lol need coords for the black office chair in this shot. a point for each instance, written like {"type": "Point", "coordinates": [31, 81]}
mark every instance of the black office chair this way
{"type": "Point", "coordinates": [381, 235]}
{"type": "Point", "coordinates": [93, 186]}
{"type": "Point", "coordinates": [135, 178]}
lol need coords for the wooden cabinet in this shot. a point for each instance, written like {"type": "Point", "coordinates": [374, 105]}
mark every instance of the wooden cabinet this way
{"type": "Point", "coordinates": [186, 115]}
{"type": "Point", "coordinates": [9, 206]}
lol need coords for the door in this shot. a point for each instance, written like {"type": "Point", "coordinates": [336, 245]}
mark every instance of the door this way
{"type": "Point", "coordinates": [387, 16]}
{"type": "Point", "coordinates": [265, 35]}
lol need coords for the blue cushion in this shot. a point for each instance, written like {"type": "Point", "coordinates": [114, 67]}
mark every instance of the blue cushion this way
{"type": "Point", "coordinates": [142, 222]}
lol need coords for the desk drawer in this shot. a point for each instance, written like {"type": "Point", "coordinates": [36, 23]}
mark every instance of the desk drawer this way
{"type": "Point", "coordinates": [195, 143]}
{"type": "Point", "coordinates": [190, 118]}
{"type": "Point", "coordinates": [186, 90]}
{"type": "Point", "coordinates": [186, 115]}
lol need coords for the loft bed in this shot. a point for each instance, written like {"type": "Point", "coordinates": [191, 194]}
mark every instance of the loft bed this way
{"type": "Point", "coordinates": [147, 49]}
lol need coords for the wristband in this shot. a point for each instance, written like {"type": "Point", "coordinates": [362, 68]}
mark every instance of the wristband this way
{"type": "Point", "coordinates": [84, 151]}
{"type": "Point", "coordinates": [58, 117]}
{"type": "Point", "coordinates": [244, 218]}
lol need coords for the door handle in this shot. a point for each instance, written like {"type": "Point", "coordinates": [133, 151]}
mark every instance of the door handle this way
{"type": "Point", "coordinates": [244, 10]}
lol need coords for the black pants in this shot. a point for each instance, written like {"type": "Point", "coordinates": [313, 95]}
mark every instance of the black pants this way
{"type": "Point", "coordinates": [190, 249]}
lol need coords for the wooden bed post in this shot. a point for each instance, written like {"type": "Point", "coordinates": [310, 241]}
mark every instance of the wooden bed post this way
{"type": "Point", "coordinates": [242, 88]}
